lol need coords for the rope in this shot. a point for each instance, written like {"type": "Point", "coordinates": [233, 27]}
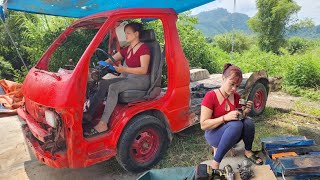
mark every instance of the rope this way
{"type": "Point", "coordinates": [232, 25]}
{"type": "Point", "coordinates": [14, 44]}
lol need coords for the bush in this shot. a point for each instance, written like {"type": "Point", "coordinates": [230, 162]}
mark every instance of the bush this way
{"type": "Point", "coordinates": [242, 42]}
{"type": "Point", "coordinates": [255, 60]}
{"type": "Point", "coordinates": [313, 94]}
{"type": "Point", "coordinates": [194, 44]}
{"type": "Point", "coordinates": [297, 45]}
{"type": "Point", "coordinates": [305, 73]}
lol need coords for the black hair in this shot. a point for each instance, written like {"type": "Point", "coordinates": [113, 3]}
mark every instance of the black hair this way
{"type": "Point", "coordinates": [135, 26]}
{"type": "Point", "coordinates": [225, 67]}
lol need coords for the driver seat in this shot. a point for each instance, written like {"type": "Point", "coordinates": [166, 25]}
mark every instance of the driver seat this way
{"type": "Point", "coordinates": [156, 62]}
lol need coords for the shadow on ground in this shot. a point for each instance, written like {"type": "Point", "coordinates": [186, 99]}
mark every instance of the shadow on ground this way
{"type": "Point", "coordinates": [37, 171]}
{"type": "Point", "coordinates": [310, 133]}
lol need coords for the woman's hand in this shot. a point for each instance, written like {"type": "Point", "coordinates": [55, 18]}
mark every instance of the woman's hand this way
{"type": "Point", "coordinates": [120, 68]}
{"type": "Point", "coordinates": [232, 115]}
{"type": "Point", "coordinates": [248, 107]}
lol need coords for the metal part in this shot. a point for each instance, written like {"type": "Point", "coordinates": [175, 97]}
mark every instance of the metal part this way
{"type": "Point", "coordinates": [245, 170]}
{"type": "Point", "coordinates": [54, 143]}
{"type": "Point", "coordinates": [228, 172]}
{"type": "Point", "coordinates": [204, 171]}
{"type": "Point", "coordinates": [200, 90]}
{"type": "Point", "coordinates": [243, 103]}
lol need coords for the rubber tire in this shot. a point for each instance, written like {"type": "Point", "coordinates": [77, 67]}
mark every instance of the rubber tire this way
{"type": "Point", "coordinates": [133, 128]}
{"type": "Point", "coordinates": [256, 87]}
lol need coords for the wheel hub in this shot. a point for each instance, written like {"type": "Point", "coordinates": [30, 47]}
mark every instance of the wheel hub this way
{"type": "Point", "coordinates": [145, 145]}
{"type": "Point", "coordinates": [258, 100]}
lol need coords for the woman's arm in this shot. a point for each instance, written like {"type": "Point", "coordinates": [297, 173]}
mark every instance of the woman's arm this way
{"type": "Point", "coordinates": [207, 123]}
{"type": "Point", "coordinates": [205, 119]}
{"type": "Point", "coordinates": [143, 69]}
{"type": "Point", "coordinates": [247, 108]}
{"type": "Point", "coordinates": [117, 57]}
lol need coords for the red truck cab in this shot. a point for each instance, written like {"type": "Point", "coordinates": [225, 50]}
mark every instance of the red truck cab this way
{"type": "Point", "coordinates": [139, 132]}
{"type": "Point", "coordinates": [142, 124]}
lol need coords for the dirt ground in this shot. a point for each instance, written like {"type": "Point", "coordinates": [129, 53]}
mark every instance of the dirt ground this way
{"type": "Point", "coordinates": [16, 163]}
{"type": "Point", "coordinates": [281, 100]}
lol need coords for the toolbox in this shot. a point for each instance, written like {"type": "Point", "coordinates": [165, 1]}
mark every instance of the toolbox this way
{"type": "Point", "coordinates": [294, 156]}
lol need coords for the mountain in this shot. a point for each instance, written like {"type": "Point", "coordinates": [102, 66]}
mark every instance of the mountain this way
{"type": "Point", "coordinates": [219, 21]}
{"type": "Point", "coordinates": [313, 32]}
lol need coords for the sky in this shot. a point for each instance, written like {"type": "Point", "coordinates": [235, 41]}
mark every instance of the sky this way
{"type": "Point", "coordinates": [309, 8]}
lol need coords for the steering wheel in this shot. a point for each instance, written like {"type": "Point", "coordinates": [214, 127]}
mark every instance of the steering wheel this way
{"type": "Point", "coordinates": [108, 55]}
{"type": "Point", "coordinates": [105, 68]}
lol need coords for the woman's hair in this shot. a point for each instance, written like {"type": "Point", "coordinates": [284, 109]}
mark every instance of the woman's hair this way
{"type": "Point", "coordinates": [135, 26]}
{"type": "Point", "coordinates": [232, 71]}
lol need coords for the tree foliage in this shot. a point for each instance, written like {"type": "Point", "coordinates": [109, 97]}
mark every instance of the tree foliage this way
{"type": "Point", "coordinates": [271, 21]}
{"type": "Point", "coordinates": [6, 69]}
{"type": "Point", "coordinates": [194, 43]}
{"type": "Point", "coordinates": [242, 42]}
{"type": "Point", "coordinates": [297, 45]}
{"type": "Point", "coordinates": [34, 33]}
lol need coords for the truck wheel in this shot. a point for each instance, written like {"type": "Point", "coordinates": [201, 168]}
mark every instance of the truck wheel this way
{"type": "Point", "coordinates": [142, 143]}
{"type": "Point", "coordinates": [259, 96]}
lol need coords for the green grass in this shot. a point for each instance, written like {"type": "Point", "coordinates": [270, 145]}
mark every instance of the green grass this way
{"type": "Point", "coordinates": [310, 94]}
{"type": "Point", "coordinates": [187, 151]}
{"type": "Point", "coordinates": [307, 106]}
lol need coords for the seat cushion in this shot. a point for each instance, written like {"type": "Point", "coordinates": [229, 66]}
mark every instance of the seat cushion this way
{"type": "Point", "coordinates": [131, 96]}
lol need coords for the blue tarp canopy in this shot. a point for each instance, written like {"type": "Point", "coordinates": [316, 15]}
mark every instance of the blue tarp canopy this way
{"type": "Point", "coordinates": [82, 8]}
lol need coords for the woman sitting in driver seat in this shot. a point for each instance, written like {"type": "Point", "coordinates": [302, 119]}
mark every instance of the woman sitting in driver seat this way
{"type": "Point", "coordinates": [137, 58]}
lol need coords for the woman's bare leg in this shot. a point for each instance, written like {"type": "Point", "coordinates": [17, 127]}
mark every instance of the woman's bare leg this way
{"type": "Point", "coordinates": [249, 154]}
{"type": "Point", "coordinates": [215, 164]}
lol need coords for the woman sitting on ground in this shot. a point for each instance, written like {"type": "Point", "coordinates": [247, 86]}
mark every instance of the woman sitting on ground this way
{"type": "Point", "coordinates": [137, 58]}
{"type": "Point", "coordinates": [219, 118]}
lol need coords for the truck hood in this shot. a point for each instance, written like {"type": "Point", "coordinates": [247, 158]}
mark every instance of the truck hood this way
{"type": "Point", "coordinates": [52, 89]}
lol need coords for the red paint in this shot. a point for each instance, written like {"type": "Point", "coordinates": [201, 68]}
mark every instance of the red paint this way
{"type": "Point", "coordinates": [66, 95]}
{"type": "Point", "coordinates": [258, 100]}
{"type": "Point", "coordinates": [145, 145]}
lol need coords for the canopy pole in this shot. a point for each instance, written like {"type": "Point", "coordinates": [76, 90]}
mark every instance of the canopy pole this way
{"type": "Point", "coordinates": [14, 44]}
{"type": "Point", "coordinates": [232, 25]}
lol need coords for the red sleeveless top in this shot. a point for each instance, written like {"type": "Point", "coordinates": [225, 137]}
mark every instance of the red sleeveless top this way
{"type": "Point", "coordinates": [211, 101]}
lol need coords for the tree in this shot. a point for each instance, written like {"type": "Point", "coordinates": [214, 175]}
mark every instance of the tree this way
{"type": "Point", "coordinates": [302, 24]}
{"type": "Point", "coordinates": [271, 21]}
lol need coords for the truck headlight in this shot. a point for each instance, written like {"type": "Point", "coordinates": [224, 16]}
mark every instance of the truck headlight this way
{"type": "Point", "coordinates": [51, 118]}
